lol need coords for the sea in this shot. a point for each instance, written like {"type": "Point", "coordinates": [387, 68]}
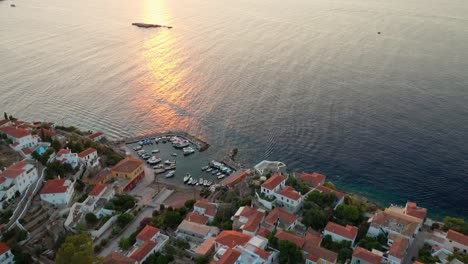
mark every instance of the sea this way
{"type": "Point", "coordinates": [371, 93]}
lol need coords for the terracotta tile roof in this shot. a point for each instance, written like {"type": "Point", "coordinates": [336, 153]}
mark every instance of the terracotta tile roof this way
{"type": "Point", "coordinates": [147, 233]}
{"type": "Point", "coordinates": [196, 228]}
{"type": "Point", "coordinates": [127, 165]}
{"type": "Point", "coordinates": [117, 258]}
{"type": "Point", "coordinates": [262, 253]}
{"type": "Point", "coordinates": [254, 221]}
{"type": "Point", "coordinates": [54, 186]}
{"type": "Point", "coordinates": [210, 209]}
{"type": "Point", "coordinates": [205, 247]}
{"type": "Point", "coordinates": [197, 218]}
{"type": "Point", "coordinates": [283, 235]}
{"type": "Point", "coordinates": [282, 215]}
{"type": "Point", "coordinates": [14, 170]}
{"type": "Point", "coordinates": [364, 254]}
{"type": "Point", "coordinates": [15, 132]}
{"type": "Point", "coordinates": [324, 189]}
{"type": "Point", "coordinates": [95, 135]}
{"type": "Point", "coordinates": [273, 181]}
{"type": "Point", "coordinates": [457, 237]}
{"type": "Point", "coordinates": [102, 175]}
{"type": "Point", "coordinates": [413, 210]}
{"type": "Point", "coordinates": [229, 257]}
{"type": "Point", "coordinates": [289, 192]}
{"type": "Point", "coordinates": [27, 151]}
{"type": "Point", "coordinates": [263, 232]}
{"type": "Point", "coordinates": [409, 224]}
{"type": "Point", "coordinates": [62, 152]}
{"type": "Point", "coordinates": [232, 238]}
{"type": "Point", "coordinates": [399, 246]}
{"type": "Point", "coordinates": [344, 231]}
{"type": "Point", "coordinates": [314, 178]}
{"type": "Point", "coordinates": [143, 250]}
{"type": "Point", "coordinates": [98, 189]}
{"type": "Point", "coordinates": [4, 121]}
{"type": "Point", "coordinates": [237, 178]}
{"type": "Point", "coordinates": [86, 152]}
{"type": "Point", "coordinates": [312, 237]}
{"type": "Point", "coordinates": [316, 253]}
{"type": "Point", "coordinates": [3, 248]}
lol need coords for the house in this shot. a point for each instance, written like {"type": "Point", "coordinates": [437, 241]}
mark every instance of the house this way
{"type": "Point", "coordinates": [247, 219]}
{"type": "Point", "coordinates": [203, 207]}
{"type": "Point", "coordinates": [6, 257]}
{"type": "Point", "coordinates": [66, 156]}
{"type": "Point", "coordinates": [195, 232]}
{"type": "Point", "coordinates": [410, 209]}
{"type": "Point", "coordinates": [230, 239]}
{"type": "Point", "coordinates": [89, 157]}
{"type": "Point", "coordinates": [130, 171]}
{"type": "Point", "coordinates": [229, 256]}
{"type": "Point", "coordinates": [253, 251]}
{"type": "Point", "coordinates": [283, 235]}
{"type": "Point", "coordinates": [17, 177]}
{"type": "Point", "coordinates": [458, 241]}
{"type": "Point", "coordinates": [148, 241]}
{"type": "Point", "coordinates": [280, 219]}
{"type": "Point", "coordinates": [102, 177]}
{"type": "Point", "coordinates": [393, 222]}
{"type": "Point", "coordinates": [98, 136]}
{"type": "Point", "coordinates": [270, 167]}
{"type": "Point", "coordinates": [205, 248]}
{"type": "Point", "coordinates": [319, 255]}
{"type": "Point", "coordinates": [339, 233]}
{"type": "Point", "coordinates": [197, 218]}
{"type": "Point", "coordinates": [363, 256]}
{"type": "Point", "coordinates": [273, 185]}
{"type": "Point", "coordinates": [289, 199]}
{"type": "Point", "coordinates": [314, 178]}
{"type": "Point", "coordinates": [338, 194]}
{"type": "Point", "coordinates": [57, 191]}
{"type": "Point", "coordinates": [398, 248]}
{"type": "Point", "coordinates": [117, 258]}
{"type": "Point", "coordinates": [21, 137]}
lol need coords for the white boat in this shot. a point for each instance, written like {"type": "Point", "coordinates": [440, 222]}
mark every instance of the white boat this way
{"type": "Point", "coordinates": [218, 174]}
{"type": "Point", "coordinates": [209, 183]}
{"type": "Point", "coordinates": [153, 160]}
{"type": "Point", "coordinates": [169, 162]}
{"type": "Point", "coordinates": [187, 177]}
{"type": "Point", "coordinates": [200, 181]}
{"type": "Point", "coordinates": [159, 166]}
{"type": "Point", "coordinates": [204, 168]}
{"type": "Point", "coordinates": [174, 154]}
{"type": "Point", "coordinates": [209, 169]}
{"type": "Point", "coordinates": [155, 151]}
{"type": "Point", "coordinates": [221, 176]}
{"type": "Point", "coordinates": [170, 174]}
{"type": "Point", "coordinates": [188, 150]}
{"type": "Point", "coordinates": [205, 183]}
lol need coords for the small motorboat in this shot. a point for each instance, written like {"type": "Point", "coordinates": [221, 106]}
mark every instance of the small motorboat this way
{"type": "Point", "coordinates": [155, 151]}
{"type": "Point", "coordinates": [200, 181]}
{"type": "Point", "coordinates": [217, 174]}
{"type": "Point", "coordinates": [205, 183]}
{"type": "Point", "coordinates": [153, 160]}
{"type": "Point", "coordinates": [187, 177]}
{"type": "Point", "coordinates": [170, 174]}
{"type": "Point", "coordinates": [221, 176]}
{"type": "Point", "coordinates": [174, 154]}
{"type": "Point", "coordinates": [188, 151]}
{"type": "Point", "coordinates": [190, 181]}
{"type": "Point", "coordinates": [214, 172]}
{"type": "Point", "coordinates": [204, 168]}
{"type": "Point", "coordinates": [159, 166]}
{"type": "Point", "coordinates": [169, 162]}
{"type": "Point", "coordinates": [209, 169]}
{"type": "Point", "coordinates": [170, 167]}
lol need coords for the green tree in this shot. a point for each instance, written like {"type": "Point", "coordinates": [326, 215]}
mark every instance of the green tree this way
{"type": "Point", "coordinates": [172, 219]}
{"type": "Point", "coordinates": [425, 255]}
{"type": "Point", "coordinates": [202, 260]}
{"type": "Point", "coordinates": [321, 199]}
{"type": "Point", "coordinates": [76, 249]}
{"type": "Point", "coordinates": [349, 213]}
{"type": "Point", "coordinates": [290, 253]}
{"type": "Point", "coordinates": [315, 218]}
{"type": "Point", "coordinates": [91, 218]}
{"type": "Point", "coordinates": [56, 145]}
{"type": "Point", "coordinates": [124, 219]}
{"type": "Point", "coordinates": [189, 203]}
{"type": "Point", "coordinates": [458, 255]}
{"type": "Point", "coordinates": [457, 224]}
{"type": "Point", "coordinates": [124, 243]}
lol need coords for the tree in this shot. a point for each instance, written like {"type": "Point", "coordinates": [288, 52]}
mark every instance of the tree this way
{"type": "Point", "coordinates": [348, 213]}
{"type": "Point", "coordinates": [425, 255]}
{"type": "Point", "coordinates": [124, 219]}
{"type": "Point", "coordinates": [290, 253]}
{"type": "Point", "coordinates": [202, 260]}
{"type": "Point", "coordinates": [457, 224]}
{"type": "Point", "coordinates": [323, 200]}
{"type": "Point", "coordinates": [172, 219]}
{"type": "Point", "coordinates": [370, 243]}
{"type": "Point", "coordinates": [5, 115]}
{"type": "Point", "coordinates": [189, 203]}
{"type": "Point", "coordinates": [56, 145]}
{"type": "Point", "coordinates": [124, 243]}
{"type": "Point", "coordinates": [458, 255]}
{"type": "Point", "coordinates": [315, 218]}
{"type": "Point", "coordinates": [76, 249]}
{"type": "Point", "coordinates": [91, 218]}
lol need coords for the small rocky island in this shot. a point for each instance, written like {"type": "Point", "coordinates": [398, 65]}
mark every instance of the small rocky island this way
{"type": "Point", "coordinates": [145, 25]}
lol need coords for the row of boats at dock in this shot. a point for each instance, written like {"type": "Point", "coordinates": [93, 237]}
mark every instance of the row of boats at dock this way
{"type": "Point", "coordinates": [188, 179]}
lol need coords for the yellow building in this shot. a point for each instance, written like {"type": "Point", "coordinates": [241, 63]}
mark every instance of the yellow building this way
{"type": "Point", "coordinates": [129, 169]}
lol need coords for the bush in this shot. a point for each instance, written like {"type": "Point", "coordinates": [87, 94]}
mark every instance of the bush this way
{"type": "Point", "coordinates": [91, 218]}
{"type": "Point", "coordinates": [124, 219]}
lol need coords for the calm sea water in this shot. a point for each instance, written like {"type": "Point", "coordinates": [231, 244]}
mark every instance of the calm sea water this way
{"type": "Point", "coordinates": [308, 82]}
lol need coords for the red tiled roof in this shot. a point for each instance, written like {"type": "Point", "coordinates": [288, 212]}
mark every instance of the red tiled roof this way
{"type": "Point", "coordinates": [238, 178]}
{"type": "Point", "coordinates": [14, 170]}
{"type": "Point", "coordinates": [262, 253]}
{"type": "Point", "coordinates": [457, 237]}
{"type": "Point", "coordinates": [399, 246]}
{"type": "Point", "coordinates": [197, 218]}
{"type": "Point", "coordinates": [364, 254]}
{"type": "Point", "coordinates": [95, 135]}
{"type": "Point", "coordinates": [232, 238]}
{"type": "Point", "coordinates": [4, 121]}
{"type": "Point", "coordinates": [314, 178]}
{"type": "Point", "coordinates": [316, 253]}
{"type": "Point", "coordinates": [54, 186]}
{"type": "Point", "coordinates": [263, 232]}
{"type": "Point", "coordinates": [117, 258]}
{"type": "Point", "coordinates": [344, 231]}
{"type": "Point", "coordinates": [210, 209]}
{"type": "Point", "coordinates": [3, 248]}
{"type": "Point", "coordinates": [229, 257]}
{"type": "Point", "coordinates": [254, 221]}
{"type": "Point", "coordinates": [98, 189]}
{"type": "Point", "coordinates": [143, 250]}
{"type": "Point", "coordinates": [86, 152]}
{"type": "Point", "coordinates": [283, 235]}
{"type": "Point", "coordinates": [15, 132]}
{"type": "Point", "coordinates": [273, 181]}
{"type": "Point", "coordinates": [63, 152]}
{"type": "Point", "coordinates": [312, 237]}
{"type": "Point", "coordinates": [289, 192]}
{"type": "Point", "coordinates": [147, 233]}
{"type": "Point", "coordinates": [324, 189]}
{"type": "Point", "coordinates": [280, 213]}
{"type": "Point", "coordinates": [413, 210]}
{"type": "Point", "coordinates": [127, 165]}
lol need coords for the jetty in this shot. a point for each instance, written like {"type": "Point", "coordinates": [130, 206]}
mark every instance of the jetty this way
{"type": "Point", "coordinates": [200, 144]}
{"type": "Point", "coordinates": [145, 25]}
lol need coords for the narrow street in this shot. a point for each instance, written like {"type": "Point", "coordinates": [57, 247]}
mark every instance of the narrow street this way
{"type": "Point", "coordinates": [415, 246]}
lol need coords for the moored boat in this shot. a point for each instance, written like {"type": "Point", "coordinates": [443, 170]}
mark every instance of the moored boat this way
{"type": "Point", "coordinates": [204, 168]}
{"type": "Point", "coordinates": [170, 174]}
{"type": "Point", "coordinates": [187, 177]}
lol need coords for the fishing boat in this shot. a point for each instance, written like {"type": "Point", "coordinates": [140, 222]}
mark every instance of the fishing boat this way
{"type": "Point", "coordinates": [204, 168]}
{"type": "Point", "coordinates": [190, 181]}
{"type": "Point", "coordinates": [209, 169]}
{"type": "Point", "coordinates": [200, 181]}
{"type": "Point", "coordinates": [159, 166]}
{"type": "Point", "coordinates": [170, 174]}
{"type": "Point", "coordinates": [170, 167]}
{"type": "Point", "coordinates": [187, 177]}
{"type": "Point", "coordinates": [169, 162]}
{"type": "Point", "coordinates": [205, 183]}
{"type": "Point", "coordinates": [155, 151]}
{"type": "Point", "coordinates": [174, 154]}
{"type": "Point", "coordinates": [188, 151]}
{"type": "Point", "coordinates": [221, 176]}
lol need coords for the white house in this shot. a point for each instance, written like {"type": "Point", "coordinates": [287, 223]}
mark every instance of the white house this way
{"type": "Point", "coordinates": [203, 207]}
{"type": "Point", "coordinates": [248, 219]}
{"type": "Point", "coordinates": [339, 233]}
{"type": "Point", "coordinates": [458, 241]}
{"type": "Point", "coordinates": [20, 175]}
{"type": "Point", "coordinates": [195, 232]}
{"type": "Point", "coordinates": [393, 222]}
{"type": "Point", "coordinates": [89, 157]}
{"type": "Point", "coordinates": [148, 241]}
{"type": "Point", "coordinates": [6, 257]}
{"type": "Point", "coordinates": [280, 219]}
{"type": "Point", "coordinates": [270, 167]}
{"type": "Point", "coordinates": [289, 199]}
{"type": "Point", "coordinates": [66, 156]}
{"type": "Point", "coordinates": [21, 138]}
{"type": "Point", "coordinates": [398, 246]}
{"type": "Point", "coordinates": [273, 185]}
{"type": "Point", "coordinates": [96, 136]}
{"type": "Point", "coordinates": [57, 191]}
